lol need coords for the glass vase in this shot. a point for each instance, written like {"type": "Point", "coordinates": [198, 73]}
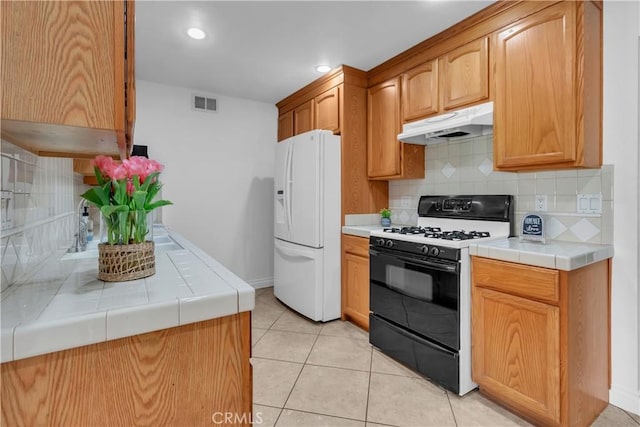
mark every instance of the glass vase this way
{"type": "Point", "coordinates": [126, 228]}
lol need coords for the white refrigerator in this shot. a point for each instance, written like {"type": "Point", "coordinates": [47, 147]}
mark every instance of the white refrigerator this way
{"type": "Point", "coordinates": [307, 224]}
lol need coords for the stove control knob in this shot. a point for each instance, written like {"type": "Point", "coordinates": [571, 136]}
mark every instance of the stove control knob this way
{"type": "Point", "coordinates": [424, 249]}
{"type": "Point", "coordinates": [389, 243]}
{"type": "Point", "coordinates": [433, 251]}
{"type": "Point", "coordinates": [380, 242]}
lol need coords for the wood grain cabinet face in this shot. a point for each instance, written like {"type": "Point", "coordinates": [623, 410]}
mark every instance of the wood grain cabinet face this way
{"type": "Point", "coordinates": [464, 75]}
{"type": "Point", "coordinates": [303, 117]}
{"type": "Point", "coordinates": [547, 67]}
{"type": "Point", "coordinates": [383, 148]}
{"type": "Point", "coordinates": [327, 110]}
{"type": "Point", "coordinates": [285, 126]}
{"type": "Point", "coordinates": [355, 280]}
{"type": "Point", "coordinates": [540, 339]}
{"type": "Point", "coordinates": [63, 64]}
{"type": "Point", "coordinates": [420, 91]}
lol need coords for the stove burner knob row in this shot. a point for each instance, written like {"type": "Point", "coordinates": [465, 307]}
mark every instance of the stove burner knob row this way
{"type": "Point", "coordinates": [389, 243]}
{"type": "Point", "coordinates": [433, 251]}
{"type": "Point", "coordinates": [380, 242]}
{"type": "Point", "coordinates": [424, 249]}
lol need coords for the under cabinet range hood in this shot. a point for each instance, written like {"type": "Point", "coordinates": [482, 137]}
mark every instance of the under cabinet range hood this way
{"type": "Point", "coordinates": [451, 126]}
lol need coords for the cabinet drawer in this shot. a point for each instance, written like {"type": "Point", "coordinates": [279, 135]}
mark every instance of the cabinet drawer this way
{"type": "Point", "coordinates": [517, 279]}
{"type": "Point", "coordinates": [355, 245]}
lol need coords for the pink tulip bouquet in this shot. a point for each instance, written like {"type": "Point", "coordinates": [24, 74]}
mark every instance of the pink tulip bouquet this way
{"type": "Point", "coordinates": [124, 195]}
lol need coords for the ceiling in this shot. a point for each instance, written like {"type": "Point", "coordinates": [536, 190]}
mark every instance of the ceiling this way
{"type": "Point", "coordinates": [266, 50]}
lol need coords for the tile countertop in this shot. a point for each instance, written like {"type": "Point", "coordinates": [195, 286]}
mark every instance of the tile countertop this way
{"type": "Point", "coordinates": [554, 254]}
{"type": "Point", "coordinates": [65, 306]}
{"type": "Point", "coordinates": [360, 230]}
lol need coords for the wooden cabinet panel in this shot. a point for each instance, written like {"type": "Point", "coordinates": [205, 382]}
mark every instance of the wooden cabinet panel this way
{"type": "Point", "coordinates": [303, 117]}
{"type": "Point", "coordinates": [63, 64]}
{"type": "Point", "coordinates": [518, 279]}
{"type": "Point", "coordinates": [328, 111]}
{"type": "Point", "coordinates": [516, 347]}
{"type": "Point", "coordinates": [464, 75]}
{"type": "Point", "coordinates": [549, 363]}
{"type": "Point", "coordinates": [548, 89]}
{"type": "Point", "coordinates": [420, 91]}
{"type": "Point", "coordinates": [388, 158]}
{"type": "Point", "coordinates": [355, 280]}
{"type": "Point", "coordinates": [285, 126]}
{"type": "Point", "coordinates": [383, 148]}
{"type": "Point", "coordinates": [176, 376]}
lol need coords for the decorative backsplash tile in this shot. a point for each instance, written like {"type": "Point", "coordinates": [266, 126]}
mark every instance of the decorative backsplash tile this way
{"type": "Point", "coordinates": [39, 197]}
{"type": "Point", "coordinates": [466, 167]}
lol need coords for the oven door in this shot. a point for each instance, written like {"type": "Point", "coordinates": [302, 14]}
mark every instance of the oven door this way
{"type": "Point", "coordinates": [416, 293]}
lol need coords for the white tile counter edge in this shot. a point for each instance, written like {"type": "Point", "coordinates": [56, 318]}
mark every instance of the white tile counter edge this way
{"type": "Point", "coordinates": [554, 254]}
{"type": "Point", "coordinates": [32, 338]}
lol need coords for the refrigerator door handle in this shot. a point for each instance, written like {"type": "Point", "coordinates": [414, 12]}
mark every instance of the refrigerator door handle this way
{"type": "Point", "coordinates": [287, 212]}
{"type": "Point", "coordinates": [290, 187]}
{"type": "Point", "coordinates": [303, 253]}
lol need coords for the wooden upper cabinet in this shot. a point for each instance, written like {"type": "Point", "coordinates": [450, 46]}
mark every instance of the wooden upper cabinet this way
{"type": "Point", "coordinates": [420, 91]}
{"type": "Point", "coordinates": [464, 75]}
{"type": "Point", "coordinates": [327, 112]}
{"type": "Point", "coordinates": [383, 119]}
{"type": "Point", "coordinates": [548, 89]}
{"type": "Point", "coordinates": [63, 75]}
{"type": "Point", "coordinates": [303, 117]}
{"type": "Point", "coordinates": [387, 157]}
{"type": "Point", "coordinates": [285, 125]}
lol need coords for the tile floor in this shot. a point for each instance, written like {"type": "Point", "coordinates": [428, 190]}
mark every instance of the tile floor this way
{"type": "Point", "coordinates": [313, 374]}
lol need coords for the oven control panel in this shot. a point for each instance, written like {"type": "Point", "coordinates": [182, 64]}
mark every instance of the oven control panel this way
{"type": "Point", "coordinates": [455, 205]}
{"type": "Point", "coordinates": [425, 251]}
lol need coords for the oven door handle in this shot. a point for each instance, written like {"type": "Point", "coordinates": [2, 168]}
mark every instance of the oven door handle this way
{"type": "Point", "coordinates": [434, 265]}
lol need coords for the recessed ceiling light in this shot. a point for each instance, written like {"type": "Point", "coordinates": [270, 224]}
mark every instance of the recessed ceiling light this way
{"type": "Point", "coordinates": [196, 33]}
{"type": "Point", "coordinates": [323, 68]}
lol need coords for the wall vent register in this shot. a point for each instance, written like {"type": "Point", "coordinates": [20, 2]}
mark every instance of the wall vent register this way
{"type": "Point", "coordinates": [202, 103]}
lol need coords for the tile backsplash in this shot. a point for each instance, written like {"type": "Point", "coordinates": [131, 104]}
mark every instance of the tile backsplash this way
{"type": "Point", "coordinates": [39, 198]}
{"type": "Point", "coordinates": [466, 167]}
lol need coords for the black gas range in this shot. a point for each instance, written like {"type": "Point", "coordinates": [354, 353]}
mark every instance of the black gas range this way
{"type": "Point", "coordinates": [420, 291]}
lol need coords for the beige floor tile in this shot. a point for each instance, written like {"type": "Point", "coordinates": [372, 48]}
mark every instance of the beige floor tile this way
{"type": "Point", "coordinates": [383, 364]}
{"type": "Point", "coordinates": [331, 391]}
{"type": "Point", "coordinates": [265, 416]}
{"type": "Point", "coordinates": [264, 315]}
{"type": "Point", "coordinates": [290, 418]}
{"type": "Point", "coordinates": [613, 416]}
{"type": "Point", "coordinates": [287, 346]}
{"type": "Point", "coordinates": [267, 297]}
{"type": "Point", "coordinates": [633, 416]}
{"type": "Point", "coordinates": [293, 322]}
{"type": "Point", "coordinates": [256, 334]}
{"type": "Point", "coordinates": [473, 409]}
{"type": "Point", "coordinates": [341, 328]}
{"type": "Point", "coordinates": [406, 401]}
{"type": "Point", "coordinates": [368, 424]}
{"type": "Point", "coordinates": [273, 381]}
{"type": "Point", "coordinates": [341, 352]}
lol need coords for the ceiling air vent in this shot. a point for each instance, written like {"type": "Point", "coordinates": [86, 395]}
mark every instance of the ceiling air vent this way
{"type": "Point", "coordinates": [202, 103]}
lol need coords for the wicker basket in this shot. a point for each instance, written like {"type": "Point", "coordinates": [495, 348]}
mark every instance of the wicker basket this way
{"type": "Point", "coordinates": [119, 263]}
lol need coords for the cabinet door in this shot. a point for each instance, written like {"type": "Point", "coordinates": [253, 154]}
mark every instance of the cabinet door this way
{"type": "Point", "coordinates": [63, 63]}
{"type": "Point", "coordinates": [285, 126]}
{"type": "Point", "coordinates": [516, 352]}
{"type": "Point", "coordinates": [327, 110]}
{"type": "Point", "coordinates": [534, 90]}
{"type": "Point", "coordinates": [130, 83]}
{"type": "Point", "coordinates": [303, 117]}
{"type": "Point", "coordinates": [420, 91]}
{"type": "Point", "coordinates": [464, 74]}
{"type": "Point", "coordinates": [356, 293]}
{"type": "Point", "coordinates": [383, 147]}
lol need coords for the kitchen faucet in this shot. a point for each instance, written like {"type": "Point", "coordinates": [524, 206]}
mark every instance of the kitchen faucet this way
{"type": "Point", "coordinates": [81, 235]}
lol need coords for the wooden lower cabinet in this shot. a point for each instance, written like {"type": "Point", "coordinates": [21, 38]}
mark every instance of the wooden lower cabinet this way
{"type": "Point", "coordinates": [188, 375]}
{"type": "Point", "coordinates": [355, 280]}
{"type": "Point", "coordinates": [540, 339]}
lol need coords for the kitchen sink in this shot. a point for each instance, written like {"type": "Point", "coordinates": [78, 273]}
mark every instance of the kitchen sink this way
{"type": "Point", "coordinates": [163, 243]}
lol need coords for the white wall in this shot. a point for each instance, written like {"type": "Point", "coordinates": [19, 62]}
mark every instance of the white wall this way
{"type": "Point", "coordinates": [621, 31]}
{"type": "Point", "coordinates": [218, 173]}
